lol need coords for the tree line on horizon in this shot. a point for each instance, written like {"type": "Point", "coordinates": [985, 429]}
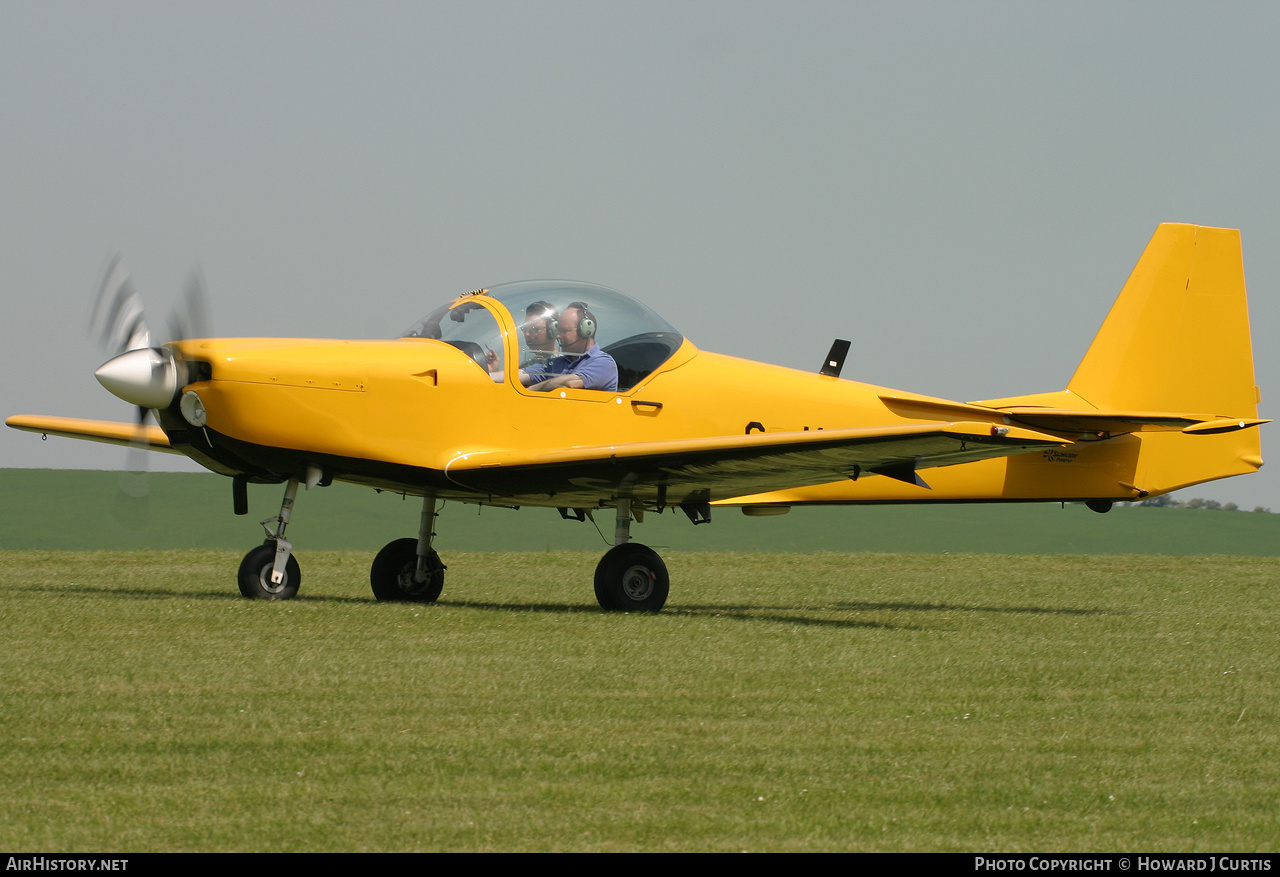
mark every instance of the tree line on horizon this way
{"type": "Point", "coordinates": [1166, 501]}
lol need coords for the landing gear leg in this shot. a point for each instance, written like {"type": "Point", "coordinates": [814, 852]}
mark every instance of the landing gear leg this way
{"type": "Point", "coordinates": [409, 569]}
{"type": "Point", "coordinates": [630, 577]}
{"type": "Point", "coordinates": [270, 571]}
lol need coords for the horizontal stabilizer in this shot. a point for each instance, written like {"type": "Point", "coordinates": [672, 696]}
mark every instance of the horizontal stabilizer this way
{"type": "Point", "coordinates": [1228, 424]}
{"type": "Point", "coordinates": [1069, 421]}
{"type": "Point", "coordinates": [1120, 422]}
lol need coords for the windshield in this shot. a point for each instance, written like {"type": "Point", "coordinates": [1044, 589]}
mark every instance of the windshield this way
{"type": "Point", "coordinates": [467, 326]}
{"type": "Point", "coordinates": [636, 337]}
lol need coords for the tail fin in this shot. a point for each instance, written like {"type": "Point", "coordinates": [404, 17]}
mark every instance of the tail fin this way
{"type": "Point", "coordinates": [1177, 338]}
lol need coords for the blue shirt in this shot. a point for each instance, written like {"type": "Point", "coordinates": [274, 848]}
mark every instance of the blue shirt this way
{"type": "Point", "coordinates": [596, 368]}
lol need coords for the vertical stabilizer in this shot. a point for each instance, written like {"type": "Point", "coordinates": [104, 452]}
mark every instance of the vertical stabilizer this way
{"type": "Point", "coordinates": [1177, 338]}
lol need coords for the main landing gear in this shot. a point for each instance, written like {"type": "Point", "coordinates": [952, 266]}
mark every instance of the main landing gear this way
{"type": "Point", "coordinates": [629, 578]}
{"type": "Point", "coordinates": [409, 570]}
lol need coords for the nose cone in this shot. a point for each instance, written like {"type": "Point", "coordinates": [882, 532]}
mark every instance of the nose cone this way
{"type": "Point", "coordinates": [146, 377]}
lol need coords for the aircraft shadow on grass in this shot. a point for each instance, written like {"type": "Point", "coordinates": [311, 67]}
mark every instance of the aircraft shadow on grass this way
{"type": "Point", "coordinates": [806, 616]}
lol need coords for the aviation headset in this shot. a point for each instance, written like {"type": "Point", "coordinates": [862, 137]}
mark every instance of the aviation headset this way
{"type": "Point", "coordinates": [586, 319]}
{"type": "Point", "coordinates": [541, 310]}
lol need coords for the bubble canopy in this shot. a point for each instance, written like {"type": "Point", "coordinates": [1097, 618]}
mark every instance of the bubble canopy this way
{"type": "Point", "coordinates": [637, 338]}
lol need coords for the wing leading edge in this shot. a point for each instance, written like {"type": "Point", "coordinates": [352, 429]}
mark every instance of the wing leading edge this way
{"type": "Point", "coordinates": [710, 469]}
{"type": "Point", "coordinates": [131, 435]}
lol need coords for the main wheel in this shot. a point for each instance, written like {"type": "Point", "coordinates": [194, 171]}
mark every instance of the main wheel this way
{"type": "Point", "coordinates": [255, 575]}
{"type": "Point", "coordinates": [632, 578]}
{"type": "Point", "coordinates": [392, 573]}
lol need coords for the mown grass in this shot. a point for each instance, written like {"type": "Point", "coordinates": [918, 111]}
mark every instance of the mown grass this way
{"type": "Point", "coordinates": [49, 509]}
{"type": "Point", "coordinates": [781, 702]}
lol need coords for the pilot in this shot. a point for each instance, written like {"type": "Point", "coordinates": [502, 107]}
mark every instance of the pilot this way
{"type": "Point", "coordinates": [582, 363]}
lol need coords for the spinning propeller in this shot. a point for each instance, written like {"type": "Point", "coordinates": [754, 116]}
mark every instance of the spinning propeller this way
{"type": "Point", "coordinates": [146, 376]}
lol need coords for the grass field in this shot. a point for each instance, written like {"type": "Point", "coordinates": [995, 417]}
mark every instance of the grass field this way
{"type": "Point", "coordinates": [783, 702]}
{"type": "Point", "coordinates": [85, 510]}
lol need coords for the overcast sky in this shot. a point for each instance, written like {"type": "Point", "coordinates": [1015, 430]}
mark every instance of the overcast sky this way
{"type": "Point", "coordinates": [960, 188]}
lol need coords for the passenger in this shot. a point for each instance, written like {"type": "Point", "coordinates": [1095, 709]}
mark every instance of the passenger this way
{"type": "Point", "coordinates": [582, 363]}
{"type": "Point", "coordinates": [539, 330]}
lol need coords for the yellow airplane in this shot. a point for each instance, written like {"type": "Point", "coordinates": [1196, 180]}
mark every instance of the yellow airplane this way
{"type": "Point", "coordinates": [1164, 398]}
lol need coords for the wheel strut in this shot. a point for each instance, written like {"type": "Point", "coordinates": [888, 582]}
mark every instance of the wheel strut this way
{"type": "Point", "coordinates": [283, 547]}
{"type": "Point", "coordinates": [426, 531]}
{"type": "Point", "coordinates": [622, 530]}
{"type": "Point", "coordinates": [409, 569]}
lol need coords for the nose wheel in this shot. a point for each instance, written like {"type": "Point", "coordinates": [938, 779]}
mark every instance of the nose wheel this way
{"type": "Point", "coordinates": [270, 571]}
{"type": "Point", "coordinates": [256, 579]}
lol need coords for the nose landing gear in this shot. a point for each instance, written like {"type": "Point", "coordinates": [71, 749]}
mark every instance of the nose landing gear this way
{"type": "Point", "coordinates": [270, 571]}
{"type": "Point", "coordinates": [255, 576]}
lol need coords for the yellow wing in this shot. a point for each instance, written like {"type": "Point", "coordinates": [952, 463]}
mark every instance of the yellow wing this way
{"type": "Point", "coordinates": [708, 469]}
{"type": "Point", "coordinates": [128, 434]}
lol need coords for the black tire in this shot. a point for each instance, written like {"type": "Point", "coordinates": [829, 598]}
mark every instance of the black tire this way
{"type": "Point", "coordinates": [255, 575]}
{"type": "Point", "coordinates": [391, 575]}
{"type": "Point", "coordinates": [632, 578]}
